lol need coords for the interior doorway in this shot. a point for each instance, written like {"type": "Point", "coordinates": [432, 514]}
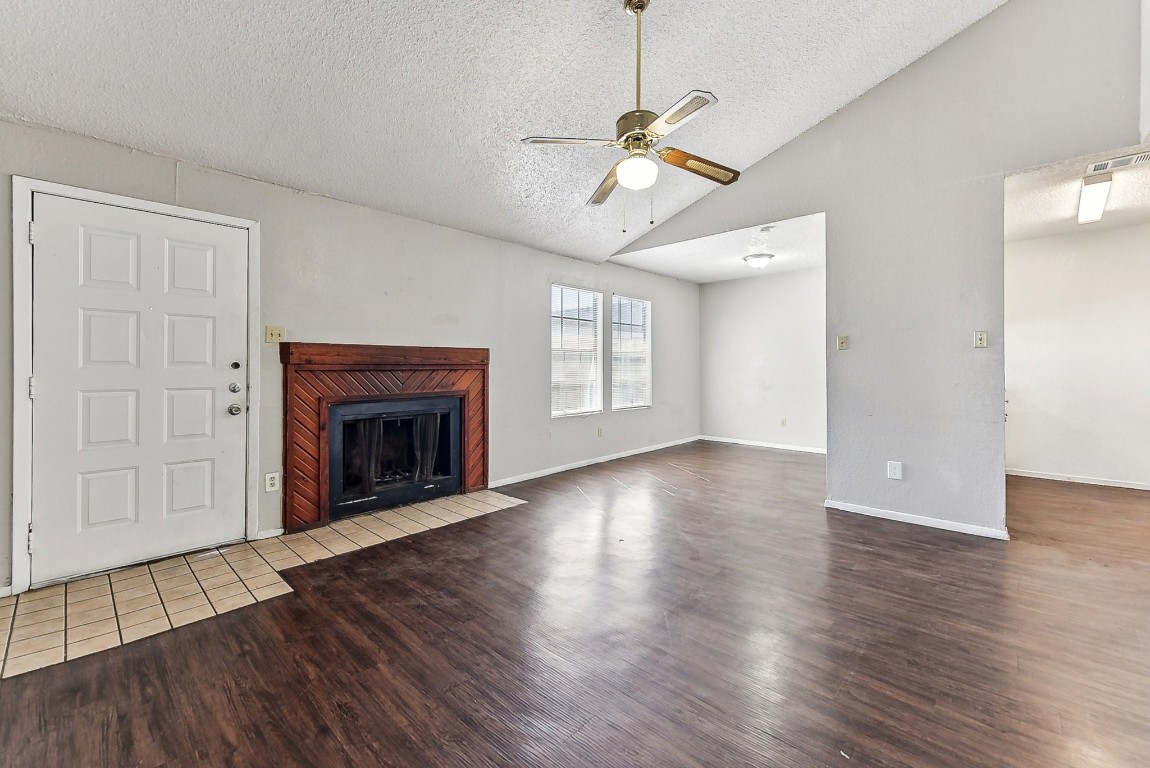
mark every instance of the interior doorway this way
{"type": "Point", "coordinates": [1077, 341]}
{"type": "Point", "coordinates": [763, 329]}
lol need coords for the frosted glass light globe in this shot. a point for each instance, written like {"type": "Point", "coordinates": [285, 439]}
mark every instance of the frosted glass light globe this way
{"type": "Point", "coordinates": [637, 172]}
{"type": "Point", "coordinates": [758, 260]}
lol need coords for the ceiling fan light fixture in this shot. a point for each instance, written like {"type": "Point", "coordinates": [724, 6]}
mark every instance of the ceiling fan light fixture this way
{"type": "Point", "coordinates": [639, 130]}
{"type": "Point", "coordinates": [758, 260]}
{"type": "Point", "coordinates": [637, 172]}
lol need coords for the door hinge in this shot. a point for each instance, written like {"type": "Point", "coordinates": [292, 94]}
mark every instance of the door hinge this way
{"type": "Point", "coordinates": [29, 538]}
{"type": "Point", "coordinates": [31, 233]}
{"type": "Point", "coordinates": [31, 388]}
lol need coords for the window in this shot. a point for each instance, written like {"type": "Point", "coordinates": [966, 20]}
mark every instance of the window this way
{"type": "Point", "coordinates": [576, 371]}
{"type": "Point", "coordinates": [630, 353]}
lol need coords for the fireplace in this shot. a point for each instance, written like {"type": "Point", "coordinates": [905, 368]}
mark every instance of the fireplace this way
{"type": "Point", "coordinates": [383, 453]}
{"type": "Point", "coordinates": [336, 393]}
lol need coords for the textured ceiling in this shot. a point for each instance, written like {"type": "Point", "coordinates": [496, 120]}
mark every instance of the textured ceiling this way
{"type": "Point", "coordinates": [799, 243]}
{"type": "Point", "coordinates": [416, 108]}
{"type": "Point", "coordinates": [1044, 201]}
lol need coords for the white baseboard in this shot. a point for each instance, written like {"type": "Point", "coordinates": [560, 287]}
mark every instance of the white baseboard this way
{"type": "Point", "coordinates": [1077, 479]}
{"type": "Point", "coordinates": [269, 534]}
{"type": "Point", "coordinates": [589, 462]}
{"type": "Point", "coordinates": [930, 522]}
{"type": "Point", "coordinates": [6, 591]}
{"type": "Point", "coordinates": [759, 444]}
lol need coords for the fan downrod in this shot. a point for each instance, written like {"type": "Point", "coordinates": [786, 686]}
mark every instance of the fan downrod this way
{"type": "Point", "coordinates": [634, 6]}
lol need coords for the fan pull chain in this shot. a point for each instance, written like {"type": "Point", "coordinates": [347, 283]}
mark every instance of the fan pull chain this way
{"type": "Point", "coordinates": [625, 212]}
{"type": "Point", "coordinates": [651, 199]}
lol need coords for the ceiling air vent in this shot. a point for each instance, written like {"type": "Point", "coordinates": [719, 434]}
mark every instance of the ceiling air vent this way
{"type": "Point", "coordinates": [1118, 163]}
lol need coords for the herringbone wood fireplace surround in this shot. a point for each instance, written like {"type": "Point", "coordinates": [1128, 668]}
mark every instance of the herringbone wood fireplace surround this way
{"type": "Point", "coordinates": [318, 375]}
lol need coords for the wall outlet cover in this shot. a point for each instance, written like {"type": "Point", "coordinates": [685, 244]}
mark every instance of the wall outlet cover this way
{"type": "Point", "coordinates": [894, 470]}
{"type": "Point", "coordinates": [844, 343]}
{"type": "Point", "coordinates": [271, 482]}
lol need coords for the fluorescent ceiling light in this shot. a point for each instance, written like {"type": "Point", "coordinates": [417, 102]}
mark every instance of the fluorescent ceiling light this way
{"type": "Point", "coordinates": [1092, 203]}
{"type": "Point", "coordinates": [758, 260]}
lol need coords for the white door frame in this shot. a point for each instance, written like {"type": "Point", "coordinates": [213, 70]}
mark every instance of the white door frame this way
{"type": "Point", "coordinates": [22, 191]}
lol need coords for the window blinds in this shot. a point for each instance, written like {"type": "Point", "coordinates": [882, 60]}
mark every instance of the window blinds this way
{"type": "Point", "coordinates": [630, 353]}
{"type": "Point", "coordinates": [576, 369]}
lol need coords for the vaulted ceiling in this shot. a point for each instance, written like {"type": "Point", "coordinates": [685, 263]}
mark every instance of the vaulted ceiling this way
{"type": "Point", "coordinates": [417, 108]}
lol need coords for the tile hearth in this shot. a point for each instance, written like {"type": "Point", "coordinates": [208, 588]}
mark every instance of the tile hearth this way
{"type": "Point", "coordinates": [62, 622]}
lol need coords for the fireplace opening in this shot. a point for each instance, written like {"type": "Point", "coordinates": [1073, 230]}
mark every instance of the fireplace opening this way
{"type": "Point", "coordinates": [384, 453]}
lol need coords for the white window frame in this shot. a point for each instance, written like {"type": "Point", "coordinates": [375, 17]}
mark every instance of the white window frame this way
{"type": "Point", "coordinates": [650, 348]}
{"type": "Point", "coordinates": [597, 406]}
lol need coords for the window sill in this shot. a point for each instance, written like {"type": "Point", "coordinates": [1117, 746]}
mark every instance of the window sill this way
{"type": "Point", "coordinates": [576, 415]}
{"type": "Point", "coordinates": [632, 408]}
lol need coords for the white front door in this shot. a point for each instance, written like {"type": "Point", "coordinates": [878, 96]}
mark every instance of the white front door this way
{"type": "Point", "coordinates": [138, 351]}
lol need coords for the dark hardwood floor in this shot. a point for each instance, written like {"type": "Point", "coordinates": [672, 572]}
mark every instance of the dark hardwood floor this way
{"type": "Point", "coordinates": [691, 607]}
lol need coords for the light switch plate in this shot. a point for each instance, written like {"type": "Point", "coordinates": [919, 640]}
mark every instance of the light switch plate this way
{"type": "Point", "coordinates": [980, 339]}
{"type": "Point", "coordinates": [844, 343]}
{"type": "Point", "coordinates": [274, 334]}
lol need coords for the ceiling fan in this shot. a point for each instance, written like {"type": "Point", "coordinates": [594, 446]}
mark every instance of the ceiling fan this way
{"type": "Point", "coordinates": [639, 130]}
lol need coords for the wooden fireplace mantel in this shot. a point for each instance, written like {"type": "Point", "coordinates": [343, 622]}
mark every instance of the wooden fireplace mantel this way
{"type": "Point", "coordinates": [319, 375]}
{"type": "Point", "coordinates": [358, 355]}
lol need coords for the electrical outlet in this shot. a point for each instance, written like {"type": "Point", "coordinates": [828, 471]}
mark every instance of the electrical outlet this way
{"type": "Point", "coordinates": [274, 334]}
{"type": "Point", "coordinates": [599, 433]}
{"type": "Point", "coordinates": [271, 482]}
{"type": "Point", "coordinates": [844, 343]}
{"type": "Point", "coordinates": [980, 339]}
{"type": "Point", "coordinates": [894, 470]}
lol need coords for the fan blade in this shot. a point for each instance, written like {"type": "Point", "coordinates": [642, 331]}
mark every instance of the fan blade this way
{"type": "Point", "coordinates": [688, 106]}
{"type": "Point", "coordinates": [606, 188]}
{"type": "Point", "coordinates": [720, 174]}
{"type": "Point", "coordinates": [553, 140]}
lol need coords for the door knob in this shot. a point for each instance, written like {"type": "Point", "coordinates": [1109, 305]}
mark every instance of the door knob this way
{"type": "Point", "coordinates": [234, 387]}
{"type": "Point", "coordinates": [235, 409]}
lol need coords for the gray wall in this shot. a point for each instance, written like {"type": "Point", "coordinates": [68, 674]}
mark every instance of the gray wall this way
{"type": "Point", "coordinates": [911, 178]}
{"type": "Point", "coordinates": [336, 272]}
{"type": "Point", "coordinates": [764, 359]}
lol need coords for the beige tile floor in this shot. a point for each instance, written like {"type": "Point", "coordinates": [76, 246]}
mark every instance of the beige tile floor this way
{"type": "Point", "coordinates": [62, 622]}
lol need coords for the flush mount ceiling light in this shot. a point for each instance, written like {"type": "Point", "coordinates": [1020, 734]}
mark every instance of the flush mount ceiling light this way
{"type": "Point", "coordinates": [758, 260]}
{"type": "Point", "coordinates": [1092, 202]}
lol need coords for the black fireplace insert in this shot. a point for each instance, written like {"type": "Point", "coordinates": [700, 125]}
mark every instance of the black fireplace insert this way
{"type": "Point", "coordinates": [384, 453]}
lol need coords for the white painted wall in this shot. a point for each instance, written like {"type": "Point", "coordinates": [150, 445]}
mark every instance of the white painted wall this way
{"type": "Point", "coordinates": [336, 272]}
{"type": "Point", "coordinates": [911, 178]}
{"type": "Point", "coordinates": [1078, 356]}
{"type": "Point", "coordinates": [764, 360]}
